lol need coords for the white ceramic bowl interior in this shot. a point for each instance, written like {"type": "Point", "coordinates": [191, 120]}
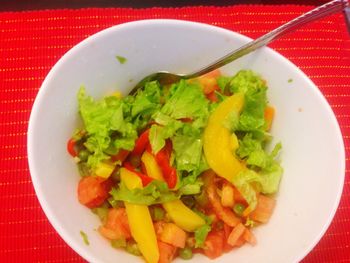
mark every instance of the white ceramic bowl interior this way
{"type": "Point", "coordinates": [313, 152]}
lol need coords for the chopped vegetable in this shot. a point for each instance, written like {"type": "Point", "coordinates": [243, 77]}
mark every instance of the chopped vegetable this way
{"type": "Point", "coordinates": [183, 216]}
{"type": "Point", "coordinates": [235, 235]}
{"type": "Point", "coordinates": [166, 252]}
{"type": "Point", "coordinates": [185, 253]}
{"type": "Point", "coordinates": [173, 235]}
{"type": "Point", "coordinates": [264, 209]}
{"type": "Point", "coordinates": [141, 230]}
{"type": "Point", "coordinates": [85, 237]}
{"type": "Point", "coordinates": [122, 60]}
{"type": "Point", "coordinates": [93, 191]}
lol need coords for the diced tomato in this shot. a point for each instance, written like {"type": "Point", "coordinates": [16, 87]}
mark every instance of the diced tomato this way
{"type": "Point", "coordinates": [208, 81]}
{"type": "Point", "coordinates": [224, 213]}
{"type": "Point", "coordinates": [166, 252]}
{"type": "Point", "coordinates": [249, 237]}
{"type": "Point", "coordinates": [93, 190]}
{"type": "Point", "coordinates": [240, 242]}
{"type": "Point", "coordinates": [71, 147]}
{"type": "Point", "coordinates": [214, 244]}
{"type": "Point", "coordinates": [212, 96]}
{"type": "Point", "coordinates": [173, 235]}
{"type": "Point", "coordinates": [120, 156]}
{"type": "Point", "coordinates": [117, 221]}
{"type": "Point", "coordinates": [236, 233]}
{"type": "Point", "coordinates": [264, 209]}
{"type": "Point", "coordinates": [144, 178]}
{"type": "Point", "coordinates": [227, 231]}
{"type": "Point", "coordinates": [141, 143]}
{"type": "Point", "coordinates": [158, 227]}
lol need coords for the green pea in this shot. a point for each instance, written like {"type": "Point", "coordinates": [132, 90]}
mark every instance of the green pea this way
{"type": "Point", "coordinates": [185, 253]}
{"type": "Point", "coordinates": [158, 214]}
{"type": "Point", "coordinates": [132, 248]}
{"type": "Point", "coordinates": [83, 155]}
{"type": "Point", "coordinates": [118, 243]}
{"type": "Point", "coordinates": [238, 209]}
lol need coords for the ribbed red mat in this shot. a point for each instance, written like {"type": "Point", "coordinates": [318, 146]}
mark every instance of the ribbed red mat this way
{"type": "Point", "coordinates": [30, 44]}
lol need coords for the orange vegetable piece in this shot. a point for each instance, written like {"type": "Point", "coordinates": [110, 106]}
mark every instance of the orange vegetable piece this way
{"type": "Point", "coordinates": [173, 235]}
{"type": "Point", "coordinates": [249, 237]}
{"type": "Point", "coordinates": [117, 225]}
{"type": "Point", "coordinates": [227, 195]}
{"type": "Point", "coordinates": [264, 209]}
{"type": "Point", "coordinates": [208, 81]}
{"type": "Point", "coordinates": [269, 114]}
{"type": "Point", "coordinates": [235, 234]}
{"type": "Point", "coordinates": [166, 252]}
{"type": "Point", "coordinates": [214, 244]}
{"type": "Point", "coordinates": [93, 190]}
{"type": "Point", "coordinates": [224, 213]}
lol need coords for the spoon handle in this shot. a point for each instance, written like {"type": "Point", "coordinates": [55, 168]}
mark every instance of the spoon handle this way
{"type": "Point", "coordinates": [315, 14]}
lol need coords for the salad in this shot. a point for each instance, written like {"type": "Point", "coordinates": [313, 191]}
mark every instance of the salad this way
{"type": "Point", "coordinates": [180, 169]}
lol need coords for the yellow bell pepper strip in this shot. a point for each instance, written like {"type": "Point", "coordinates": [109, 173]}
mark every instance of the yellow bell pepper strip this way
{"type": "Point", "coordinates": [104, 170]}
{"type": "Point", "coordinates": [183, 216]}
{"type": "Point", "coordinates": [218, 141]}
{"type": "Point", "coordinates": [219, 144]}
{"type": "Point", "coordinates": [152, 168]}
{"type": "Point", "coordinates": [140, 220]}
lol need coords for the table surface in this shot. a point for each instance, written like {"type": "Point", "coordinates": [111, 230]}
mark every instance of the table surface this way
{"type": "Point", "coordinates": [10, 5]}
{"type": "Point", "coordinates": [31, 42]}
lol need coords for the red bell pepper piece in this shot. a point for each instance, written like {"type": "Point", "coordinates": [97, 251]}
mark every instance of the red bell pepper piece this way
{"type": "Point", "coordinates": [71, 147]}
{"type": "Point", "coordinates": [163, 160]}
{"type": "Point", "coordinates": [120, 156]}
{"type": "Point", "coordinates": [141, 143]}
{"type": "Point", "coordinates": [144, 178]}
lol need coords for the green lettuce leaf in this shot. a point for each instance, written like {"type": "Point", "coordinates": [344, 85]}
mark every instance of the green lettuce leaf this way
{"type": "Point", "coordinates": [105, 124]}
{"type": "Point", "coordinates": [188, 152]}
{"type": "Point", "coordinates": [147, 101]}
{"type": "Point", "coordinates": [156, 192]}
{"type": "Point", "coordinates": [200, 234]}
{"type": "Point", "coordinates": [185, 100]}
{"type": "Point", "coordinates": [166, 129]}
{"type": "Point", "coordinates": [254, 88]}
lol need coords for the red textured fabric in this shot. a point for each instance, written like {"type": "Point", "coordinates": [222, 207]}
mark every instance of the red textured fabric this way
{"type": "Point", "coordinates": [30, 44]}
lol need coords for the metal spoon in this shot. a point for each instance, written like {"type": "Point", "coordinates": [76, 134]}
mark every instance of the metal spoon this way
{"type": "Point", "coordinates": [164, 77]}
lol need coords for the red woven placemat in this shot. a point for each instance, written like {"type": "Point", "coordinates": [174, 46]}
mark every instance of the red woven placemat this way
{"type": "Point", "coordinates": [30, 44]}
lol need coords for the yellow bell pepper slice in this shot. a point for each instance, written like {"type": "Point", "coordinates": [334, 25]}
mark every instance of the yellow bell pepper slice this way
{"type": "Point", "coordinates": [218, 143]}
{"type": "Point", "coordinates": [140, 221]}
{"type": "Point", "coordinates": [152, 168]}
{"type": "Point", "coordinates": [104, 170]}
{"type": "Point", "coordinates": [183, 216]}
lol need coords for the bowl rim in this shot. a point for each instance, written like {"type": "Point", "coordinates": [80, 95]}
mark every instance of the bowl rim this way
{"type": "Point", "coordinates": [162, 22]}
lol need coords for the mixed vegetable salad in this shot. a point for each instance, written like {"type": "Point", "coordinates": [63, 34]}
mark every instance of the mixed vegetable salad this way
{"type": "Point", "coordinates": [180, 169]}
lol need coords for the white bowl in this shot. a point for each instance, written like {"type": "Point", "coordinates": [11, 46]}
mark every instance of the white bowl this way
{"type": "Point", "coordinates": [313, 151]}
